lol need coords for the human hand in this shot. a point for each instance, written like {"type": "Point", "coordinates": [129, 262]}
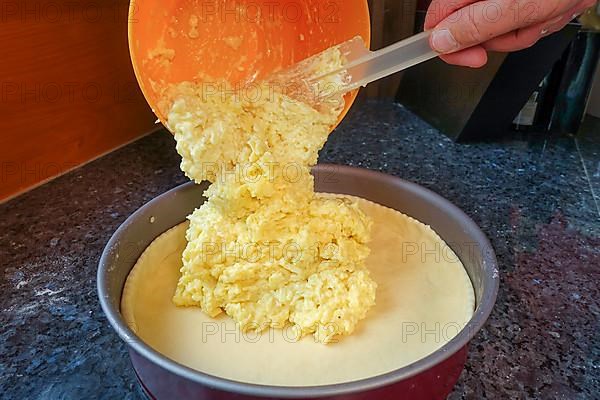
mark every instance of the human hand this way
{"type": "Point", "coordinates": [464, 30]}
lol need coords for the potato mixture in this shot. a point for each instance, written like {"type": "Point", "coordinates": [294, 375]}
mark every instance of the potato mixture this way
{"type": "Point", "coordinates": [265, 248]}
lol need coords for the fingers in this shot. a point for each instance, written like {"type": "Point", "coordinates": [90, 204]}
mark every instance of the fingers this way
{"type": "Point", "coordinates": [484, 20]}
{"type": "Point", "coordinates": [474, 57]}
{"type": "Point", "coordinates": [464, 29]}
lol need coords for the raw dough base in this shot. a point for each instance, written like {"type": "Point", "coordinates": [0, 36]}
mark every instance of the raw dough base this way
{"type": "Point", "coordinates": [424, 298]}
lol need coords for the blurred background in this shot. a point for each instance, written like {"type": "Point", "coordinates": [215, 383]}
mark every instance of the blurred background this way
{"type": "Point", "coordinates": [68, 93]}
{"type": "Point", "coordinates": [515, 144]}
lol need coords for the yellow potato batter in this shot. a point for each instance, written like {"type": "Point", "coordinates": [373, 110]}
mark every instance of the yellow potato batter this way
{"type": "Point", "coordinates": [263, 248]}
{"type": "Point", "coordinates": [424, 298]}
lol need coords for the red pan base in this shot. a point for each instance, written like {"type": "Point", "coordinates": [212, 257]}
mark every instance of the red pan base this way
{"type": "Point", "coordinates": [434, 384]}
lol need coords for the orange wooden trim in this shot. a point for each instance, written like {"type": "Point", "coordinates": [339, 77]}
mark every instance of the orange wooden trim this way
{"type": "Point", "coordinates": [67, 89]}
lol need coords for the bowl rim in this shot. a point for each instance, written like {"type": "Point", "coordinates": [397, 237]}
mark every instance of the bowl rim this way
{"type": "Point", "coordinates": [350, 98]}
{"type": "Point", "coordinates": [480, 316]}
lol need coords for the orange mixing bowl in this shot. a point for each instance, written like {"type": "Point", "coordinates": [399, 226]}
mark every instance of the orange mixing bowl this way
{"type": "Point", "coordinates": [172, 41]}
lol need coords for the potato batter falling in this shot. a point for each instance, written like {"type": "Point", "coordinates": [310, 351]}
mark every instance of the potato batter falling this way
{"type": "Point", "coordinates": [265, 248]}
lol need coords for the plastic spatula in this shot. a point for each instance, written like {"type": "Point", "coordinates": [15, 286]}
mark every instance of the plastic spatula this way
{"type": "Point", "coordinates": [361, 67]}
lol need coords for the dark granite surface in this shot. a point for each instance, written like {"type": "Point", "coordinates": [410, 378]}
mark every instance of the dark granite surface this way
{"type": "Point", "coordinates": [534, 199]}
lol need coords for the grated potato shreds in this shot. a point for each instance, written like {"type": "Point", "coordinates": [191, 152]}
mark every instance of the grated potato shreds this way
{"type": "Point", "coordinates": [264, 248]}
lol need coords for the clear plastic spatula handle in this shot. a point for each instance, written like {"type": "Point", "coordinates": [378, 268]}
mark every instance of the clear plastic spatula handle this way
{"type": "Point", "coordinates": [360, 67]}
{"type": "Point", "coordinates": [364, 66]}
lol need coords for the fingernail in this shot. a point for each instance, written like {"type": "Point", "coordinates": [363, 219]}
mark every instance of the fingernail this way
{"type": "Point", "coordinates": [443, 41]}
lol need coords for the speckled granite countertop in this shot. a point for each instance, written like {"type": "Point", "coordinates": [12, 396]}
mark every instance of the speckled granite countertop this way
{"type": "Point", "coordinates": [534, 200]}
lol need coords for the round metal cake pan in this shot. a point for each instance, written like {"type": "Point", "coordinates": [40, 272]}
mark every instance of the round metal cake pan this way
{"type": "Point", "coordinates": [432, 377]}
